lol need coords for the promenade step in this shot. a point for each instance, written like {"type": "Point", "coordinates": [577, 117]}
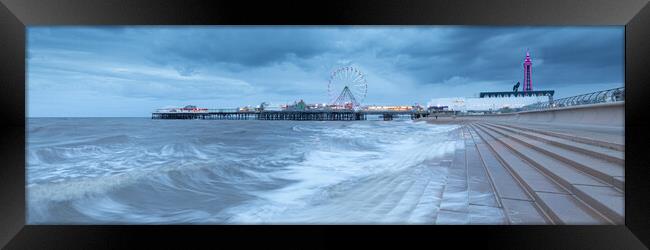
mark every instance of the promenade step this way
{"type": "Point", "coordinates": [481, 191]}
{"type": "Point", "coordinates": [405, 204]}
{"type": "Point", "coordinates": [484, 206]}
{"type": "Point", "coordinates": [595, 140]}
{"type": "Point", "coordinates": [518, 205]}
{"type": "Point", "coordinates": [392, 196]}
{"type": "Point", "coordinates": [505, 185]}
{"type": "Point", "coordinates": [377, 190]}
{"type": "Point", "coordinates": [605, 171]}
{"type": "Point", "coordinates": [606, 200]}
{"type": "Point", "coordinates": [431, 198]}
{"type": "Point", "coordinates": [602, 196]}
{"type": "Point", "coordinates": [469, 197]}
{"type": "Point", "coordinates": [530, 178]}
{"type": "Point", "coordinates": [523, 212]}
{"type": "Point", "coordinates": [572, 210]}
{"type": "Point", "coordinates": [454, 207]}
{"type": "Point", "coordinates": [608, 154]}
{"type": "Point", "coordinates": [558, 203]}
{"type": "Point", "coordinates": [620, 179]}
{"type": "Point", "coordinates": [377, 194]}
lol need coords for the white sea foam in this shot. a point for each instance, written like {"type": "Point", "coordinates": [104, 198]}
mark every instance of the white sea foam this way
{"type": "Point", "coordinates": [242, 172]}
{"type": "Point", "coordinates": [329, 178]}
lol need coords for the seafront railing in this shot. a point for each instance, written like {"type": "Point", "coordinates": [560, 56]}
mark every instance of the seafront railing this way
{"type": "Point", "coordinates": [603, 96]}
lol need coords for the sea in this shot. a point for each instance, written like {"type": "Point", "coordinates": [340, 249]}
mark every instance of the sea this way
{"type": "Point", "coordinates": [144, 171]}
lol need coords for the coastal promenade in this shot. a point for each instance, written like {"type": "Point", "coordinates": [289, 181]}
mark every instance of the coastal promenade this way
{"type": "Point", "coordinates": [556, 166]}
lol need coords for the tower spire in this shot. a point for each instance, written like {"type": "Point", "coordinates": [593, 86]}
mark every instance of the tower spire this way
{"type": "Point", "coordinates": [528, 65]}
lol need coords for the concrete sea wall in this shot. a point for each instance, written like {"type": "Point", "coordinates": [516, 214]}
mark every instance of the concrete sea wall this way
{"type": "Point", "coordinates": [603, 114]}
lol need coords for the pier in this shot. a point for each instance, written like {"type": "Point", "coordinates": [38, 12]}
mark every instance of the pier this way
{"type": "Point", "coordinates": [302, 115]}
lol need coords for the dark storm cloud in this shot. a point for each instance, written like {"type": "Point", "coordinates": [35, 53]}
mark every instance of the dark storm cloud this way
{"type": "Point", "coordinates": [239, 47]}
{"type": "Point", "coordinates": [496, 54]}
{"type": "Point", "coordinates": [230, 65]}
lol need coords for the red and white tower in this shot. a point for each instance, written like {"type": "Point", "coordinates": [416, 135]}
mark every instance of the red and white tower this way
{"type": "Point", "coordinates": [528, 65]}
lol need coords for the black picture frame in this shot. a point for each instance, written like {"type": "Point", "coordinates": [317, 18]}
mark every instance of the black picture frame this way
{"type": "Point", "coordinates": [15, 15]}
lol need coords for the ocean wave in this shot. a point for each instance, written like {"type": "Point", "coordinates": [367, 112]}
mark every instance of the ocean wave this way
{"type": "Point", "coordinates": [237, 172]}
{"type": "Point", "coordinates": [53, 155]}
{"type": "Point", "coordinates": [328, 173]}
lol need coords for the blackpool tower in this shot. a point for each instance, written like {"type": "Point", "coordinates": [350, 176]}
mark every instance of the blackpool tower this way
{"type": "Point", "coordinates": [528, 82]}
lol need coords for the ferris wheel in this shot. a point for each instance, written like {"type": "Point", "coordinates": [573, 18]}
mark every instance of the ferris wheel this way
{"type": "Point", "coordinates": [347, 85]}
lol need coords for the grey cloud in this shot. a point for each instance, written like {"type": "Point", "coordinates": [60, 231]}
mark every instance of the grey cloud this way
{"type": "Point", "coordinates": [252, 47]}
{"type": "Point", "coordinates": [228, 64]}
{"type": "Point", "coordinates": [498, 53]}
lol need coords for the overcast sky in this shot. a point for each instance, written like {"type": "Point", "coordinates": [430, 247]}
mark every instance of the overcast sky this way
{"type": "Point", "coordinates": [132, 70]}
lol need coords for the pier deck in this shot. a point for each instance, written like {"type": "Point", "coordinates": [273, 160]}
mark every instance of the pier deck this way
{"type": "Point", "coordinates": [306, 115]}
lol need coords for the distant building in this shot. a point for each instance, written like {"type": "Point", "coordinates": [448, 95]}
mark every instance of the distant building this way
{"type": "Point", "coordinates": [499, 100]}
{"type": "Point", "coordinates": [465, 104]}
{"type": "Point", "coordinates": [547, 93]}
{"type": "Point", "coordinates": [438, 108]}
{"type": "Point", "coordinates": [391, 108]}
{"type": "Point", "coordinates": [297, 106]}
{"type": "Point", "coordinates": [186, 109]}
{"type": "Point", "coordinates": [264, 106]}
{"type": "Point", "coordinates": [275, 108]}
{"type": "Point", "coordinates": [316, 106]}
{"type": "Point", "coordinates": [246, 109]}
